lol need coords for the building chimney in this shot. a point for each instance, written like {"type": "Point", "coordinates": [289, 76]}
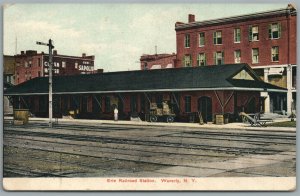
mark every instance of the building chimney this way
{"type": "Point", "coordinates": [22, 52]}
{"type": "Point", "coordinates": [31, 52]}
{"type": "Point", "coordinates": [191, 18]}
{"type": "Point", "coordinates": [54, 52]}
{"type": "Point", "coordinates": [99, 71]}
{"type": "Point", "coordinates": [83, 55]}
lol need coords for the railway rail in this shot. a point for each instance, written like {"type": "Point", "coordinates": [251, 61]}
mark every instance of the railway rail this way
{"type": "Point", "coordinates": [184, 144]}
{"type": "Point", "coordinates": [155, 143]}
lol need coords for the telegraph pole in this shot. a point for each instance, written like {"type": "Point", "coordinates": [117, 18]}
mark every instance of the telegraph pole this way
{"type": "Point", "coordinates": [50, 45]}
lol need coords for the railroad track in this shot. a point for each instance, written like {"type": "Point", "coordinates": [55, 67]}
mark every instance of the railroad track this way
{"type": "Point", "coordinates": [259, 144]}
{"type": "Point", "coordinates": [139, 141]}
{"type": "Point", "coordinates": [23, 172]}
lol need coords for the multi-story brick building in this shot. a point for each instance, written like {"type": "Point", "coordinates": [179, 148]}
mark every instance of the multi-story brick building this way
{"type": "Point", "coordinates": [8, 69]}
{"type": "Point", "coordinates": [266, 41]}
{"type": "Point", "coordinates": [157, 61]}
{"type": "Point", "coordinates": [31, 64]}
{"type": "Point", "coordinates": [8, 81]}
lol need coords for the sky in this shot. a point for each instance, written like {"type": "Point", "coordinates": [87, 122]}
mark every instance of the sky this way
{"type": "Point", "coordinates": [117, 34]}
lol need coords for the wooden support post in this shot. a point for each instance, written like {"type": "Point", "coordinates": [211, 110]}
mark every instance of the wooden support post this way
{"type": "Point", "coordinates": [228, 99]}
{"type": "Point", "coordinates": [147, 97]}
{"type": "Point", "coordinates": [220, 102]}
{"type": "Point", "coordinates": [10, 99]}
{"type": "Point", "coordinates": [176, 101]}
{"type": "Point", "coordinates": [26, 105]}
{"type": "Point", "coordinates": [98, 102]}
{"type": "Point", "coordinates": [122, 99]}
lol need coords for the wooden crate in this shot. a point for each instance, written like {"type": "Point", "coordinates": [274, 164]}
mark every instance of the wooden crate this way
{"type": "Point", "coordinates": [219, 119]}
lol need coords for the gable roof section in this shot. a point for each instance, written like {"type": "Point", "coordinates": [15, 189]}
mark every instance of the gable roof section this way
{"type": "Point", "coordinates": [215, 77]}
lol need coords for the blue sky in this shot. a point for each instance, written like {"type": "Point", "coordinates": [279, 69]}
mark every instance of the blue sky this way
{"type": "Point", "coordinates": [117, 34]}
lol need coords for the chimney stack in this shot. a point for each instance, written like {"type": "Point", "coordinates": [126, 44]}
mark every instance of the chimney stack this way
{"type": "Point", "coordinates": [99, 71]}
{"type": "Point", "coordinates": [54, 52]}
{"type": "Point", "coordinates": [22, 52]}
{"type": "Point", "coordinates": [83, 55]}
{"type": "Point", "coordinates": [191, 18]}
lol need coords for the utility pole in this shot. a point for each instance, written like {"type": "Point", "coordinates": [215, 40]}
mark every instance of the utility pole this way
{"type": "Point", "coordinates": [50, 45]}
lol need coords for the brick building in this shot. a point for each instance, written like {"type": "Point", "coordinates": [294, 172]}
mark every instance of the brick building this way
{"type": "Point", "coordinates": [266, 41]}
{"type": "Point", "coordinates": [8, 69]}
{"type": "Point", "coordinates": [31, 64]}
{"type": "Point", "coordinates": [8, 81]}
{"type": "Point", "coordinates": [158, 61]}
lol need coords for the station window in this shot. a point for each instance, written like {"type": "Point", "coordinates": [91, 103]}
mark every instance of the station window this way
{"type": "Point", "coordinates": [255, 55]}
{"type": "Point", "coordinates": [237, 56]}
{"type": "Point", "coordinates": [187, 40]}
{"type": "Point", "coordinates": [201, 39]}
{"type": "Point", "coordinates": [253, 33]}
{"type": "Point", "coordinates": [201, 60]}
{"type": "Point", "coordinates": [218, 37]}
{"type": "Point", "coordinates": [63, 64]}
{"type": "Point", "coordinates": [237, 35]}
{"type": "Point", "coordinates": [187, 100]}
{"type": "Point", "coordinates": [219, 58]}
{"type": "Point", "coordinates": [274, 31]}
{"type": "Point", "coordinates": [275, 53]}
{"type": "Point", "coordinates": [76, 65]}
{"type": "Point", "coordinates": [187, 60]}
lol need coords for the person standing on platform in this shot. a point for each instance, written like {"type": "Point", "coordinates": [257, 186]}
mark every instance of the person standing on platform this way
{"type": "Point", "coordinates": [116, 114]}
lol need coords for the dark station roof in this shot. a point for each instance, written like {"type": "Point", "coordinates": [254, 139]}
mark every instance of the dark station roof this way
{"type": "Point", "coordinates": [216, 77]}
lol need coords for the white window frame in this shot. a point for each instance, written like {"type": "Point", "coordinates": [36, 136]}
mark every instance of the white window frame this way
{"type": "Point", "coordinates": [254, 34]}
{"type": "Point", "coordinates": [219, 55]}
{"type": "Point", "coordinates": [201, 59]}
{"type": "Point", "coordinates": [217, 36]}
{"type": "Point", "coordinates": [236, 34]}
{"type": "Point", "coordinates": [237, 59]}
{"type": "Point", "coordinates": [187, 59]}
{"type": "Point", "coordinates": [272, 31]}
{"type": "Point", "coordinates": [187, 41]}
{"type": "Point", "coordinates": [274, 53]}
{"type": "Point", "coordinates": [255, 59]}
{"type": "Point", "coordinates": [202, 44]}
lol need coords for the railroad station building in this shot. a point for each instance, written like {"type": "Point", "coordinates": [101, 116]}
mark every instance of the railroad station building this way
{"type": "Point", "coordinates": [209, 90]}
{"type": "Point", "coordinates": [31, 64]}
{"type": "Point", "coordinates": [266, 41]}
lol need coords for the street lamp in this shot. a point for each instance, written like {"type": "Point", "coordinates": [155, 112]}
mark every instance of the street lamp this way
{"type": "Point", "coordinates": [49, 44]}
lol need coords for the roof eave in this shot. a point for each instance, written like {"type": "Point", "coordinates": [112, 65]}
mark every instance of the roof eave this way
{"type": "Point", "coordinates": [236, 18]}
{"type": "Point", "coordinates": [155, 90]}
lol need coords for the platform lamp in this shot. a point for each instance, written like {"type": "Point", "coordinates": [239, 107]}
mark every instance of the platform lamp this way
{"type": "Point", "coordinates": [50, 45]}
